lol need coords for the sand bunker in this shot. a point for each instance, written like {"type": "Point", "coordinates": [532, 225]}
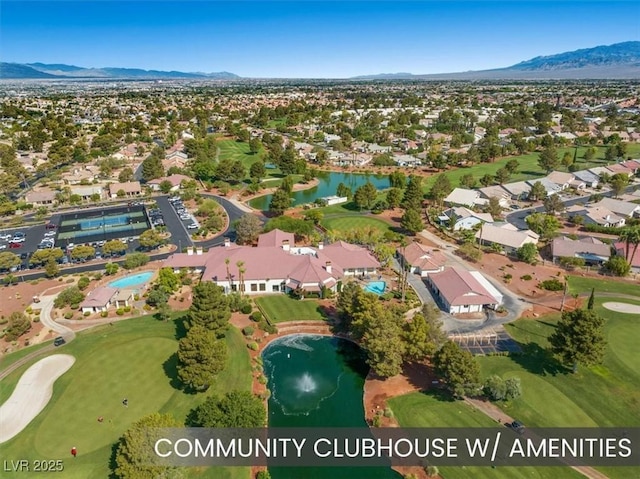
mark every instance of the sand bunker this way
{"type": "Point", "coordinates": [622, 307]}
{"type": "Point", "coordinates": [32, 393]}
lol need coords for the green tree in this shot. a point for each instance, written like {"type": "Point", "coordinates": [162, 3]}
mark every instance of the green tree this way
{"type": "Point", "coordinates": [151, 239]}
{"type": "Point", "coordinates": [168, 280]}
{"type": "Point", "coordinates": [412, 221]}
{"type": "Point", "coordinates": [537, 192]}
{"type": "Point", "coordinates": [548, 159]}
{"type": "Point", "coordinates": [235, 409]}
{"type": "Point", "coordinates": [590, 153]}
{"type": "Point", "coordinates": [210, 308]}
{"type": "Point", "coordinates": [494, 208]}
{"type": "Point", "coordinates": [125, 175]}
{"type": "Point", "coordinates": [280, 201]}
{"type": "Point", "coordinates": [553, 205]}
{"type": "Point", "coordinates": [631, 236]}
{"type": "Point", "coordinates": [468, 181]}
{"type": "Point", "coordinates": [42, 256]}
{"type": "Point", "coordinates": [135, 457]}
{"type": "Point", "coordinates": [51, 268]}
{"type": "Point", "coordinates": [152, 168]}
{"type": "Point", "coordinates": [579, 338]}
{"type": "Point", "coordinates": [114, 247]}
{"type": "Point", "coordinates": [68, 296]}
{"type": "Point", "coordinates": [135, 260]}
{"type": "Point", "coordinates": [419, 338]}
{"type": "Point", "coordinates": [545, 225]}
{"type": "Point", "coordinates": [8, 260]}
{"type": "Point", "coordinates": [441, 188]}
{"type": "Point", "coordinates": [18, 325]}
{"type": "Point", "coordinates": [618, 183]}
{"type": "Point", "coordinates": [592, 299]}
{"type": "Point", "coordinates": [567, 159]}
{"type": "Point", "coordinates": [398, 179]}
{"type": "Point", "coordinates": [365, 196]}
{"type": "Point", "coordinates": [617, 266]}
{"type": "Point", "coordinates": [231, 171]}
{"type": "Point", "coordinates": [394, 197]}
{"type": "Point", "coordinates": [315, 216]}
{"type": "Point", "coordinates": [486, 180]}
{"type": "Point", "coordinates": [165, 186]}
{"type": "Point", "coordinates": [254, 146]}
{"type": "Point", "coordinates": [413, 194]}
{"type": "Point", "coordinates": [257, 170]}
{"type": "Point", "coordinates": [111, 268]}
{"type": "Point", "coordinates": [344, 191]}
{"type": "Point", "coordinates": [528, 253]}
{"type": "Point", "coordinates": [248, 228]}
{"type": "Point", "coordinates": [512, 166]}
{"type": "Point", "coordinates": [83, 252]}
{"type": "Point", "coordinates": [201, 356]}
{"type": "Point", "coordinates": [458, 368]}
{"type": "Point", "coordinates": [502, 176]}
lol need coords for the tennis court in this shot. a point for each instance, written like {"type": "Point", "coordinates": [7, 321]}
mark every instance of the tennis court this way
{"type": "Point", "coordinates": [97, 225]}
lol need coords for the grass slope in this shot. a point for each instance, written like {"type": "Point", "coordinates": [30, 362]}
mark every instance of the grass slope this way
{"type": "Point", "coordinates": [133, 359]}
{"type": "Point", "coordinates": [435, 410]}
{"type": "Point", "coordinates": [281, 308]}
{"type": "Point", "coordinates": [529, 168]}
{"type": "Point", "coordinates": [350, 223]}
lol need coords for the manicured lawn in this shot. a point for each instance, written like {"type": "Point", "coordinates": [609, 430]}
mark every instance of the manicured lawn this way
{"type": "Point", "coordinates": [280, 308]}
{"type": "Point", "coordinates": [236, 150]}
{"type": "Point", "coordinates": [579, 284]}
{"type": "Point", "coordinates": [7, 361]}
{"type": "Point", "coordinates": [528, 168]}
{"type": "Point", "coordinates": [349, 223]}
{"type": "Point", "coordinates": [434, 410]}
{"type": "Point", "coordinates": [133, 359]}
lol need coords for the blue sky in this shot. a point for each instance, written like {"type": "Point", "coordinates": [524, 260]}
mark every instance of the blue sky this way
{"type": "Point", "coordinates": [306, 39]}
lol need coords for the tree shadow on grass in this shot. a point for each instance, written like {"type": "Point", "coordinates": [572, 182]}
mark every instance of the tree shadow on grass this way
{"type": "Point", "coordinates": [112, 460]}
{"type": "Point", "coordinates": [170, 367]}
{"type": "Point", "coordinates": [439, 394]}
{"type": "Point", "coordinates": [538, 360]}
{"type": "Point", "coordinates": [181, 326]}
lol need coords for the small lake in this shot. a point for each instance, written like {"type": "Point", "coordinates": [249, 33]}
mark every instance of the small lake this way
{"type": "Point", "coordinates": [327, 186]}
{"type": "Point", "coordinates": [317, 381]}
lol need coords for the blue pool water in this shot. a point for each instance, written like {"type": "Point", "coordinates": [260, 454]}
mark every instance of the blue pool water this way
{"type": "Point", "coordinates": [133, 280]}
{"type": "Point", "coordinates": [376, 287]}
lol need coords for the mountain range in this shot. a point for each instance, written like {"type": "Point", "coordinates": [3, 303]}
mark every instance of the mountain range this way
{"type": "Point", "coordinates": [617, 61]}
{"type": "Point", "coordinates": [62, 71]}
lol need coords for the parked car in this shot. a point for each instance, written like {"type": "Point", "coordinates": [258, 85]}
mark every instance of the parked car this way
{"type": "Point", "coordinates": [5, 237]}
{"type": "Point", "coordinates": [49, 234]}
{"type": "Point", "coordinates": [18, 239]}
{"type": "Point", "coordinates": [59, 341]}
{"type": "Point", "coordinates": [15, 245]}
{"type": "Point", "coordinates": [50, 226]}
{"type": "Point", "coordinates": [193, 226]}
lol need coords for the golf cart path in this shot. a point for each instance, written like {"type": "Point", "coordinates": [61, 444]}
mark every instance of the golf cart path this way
{"type": "Point", "coordinates": [622, 307]}
{"type": "Point", "coordinates": [32, 393]}
{"type": "Point", "coordinates": [498, 415]}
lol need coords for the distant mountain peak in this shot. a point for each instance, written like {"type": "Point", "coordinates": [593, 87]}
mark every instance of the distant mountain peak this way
{"type": "Point", "coordinates": [62, 71]}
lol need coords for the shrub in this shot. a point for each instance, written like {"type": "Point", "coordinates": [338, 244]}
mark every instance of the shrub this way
{"type": "Point", "coordinates": [267, 327]}
{"type": "Point", "coordinates": [83, 282]}
{"type": "Point", "coordinates": [388, 412]}
{"type": "Point", "coordinates": [119, 311]}
{"type": "Point", "coordinates": [248, 331]}
{"type": "Point", "coordinates": [526, 277]}
{"type": "Point", "coordinates": [86, 313]}
{"type": "Point", "coordinates": [253, 346]}
{"type": "Point", "coordinates": [246, 309]}
{"type": "Point", "coordinates": [431, 471]}
{"type": "Point", "coordinates": [18, 325]}
{"type": "Point", "coordinates": [552, 284]}
{"type": "Point", "coordinates": [127, 309]}
{"type": "Point", "coordinates": [104, 314]}
{"type": "Point", "coordinates": [263, 474]}
{"type": "Point", "coordinates": [75, 306]}
{"type": "Point", "coordinates": [68, 315]}
{"type": "Point", "coordinates": [256, 316]}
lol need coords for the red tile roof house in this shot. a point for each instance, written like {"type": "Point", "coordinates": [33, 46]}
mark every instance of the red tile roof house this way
{"type": "Point", "coordinates": [460, 291]}
{"type": "Point", "coordinates": [272, 268]}
{"type": "Point", "coordinates": [422, 260]}
{"type": "Point", "coordinates": [175, 180]}
{"type": "Point", "coordinates": [98, 300]}
{"type": "Point", "coordinates": [130, 188]}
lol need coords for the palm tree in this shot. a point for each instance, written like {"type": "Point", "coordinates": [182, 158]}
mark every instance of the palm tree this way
{"type": "Point", "coordinates": [226, 262]}
{"type": "Point", "coordinates": [241, 271]}
{"type": "Point", "coordinates": [631, 236]}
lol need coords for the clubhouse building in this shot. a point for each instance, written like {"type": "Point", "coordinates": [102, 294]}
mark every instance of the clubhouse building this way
{"type": "Point", "coordinates": [276, 265]}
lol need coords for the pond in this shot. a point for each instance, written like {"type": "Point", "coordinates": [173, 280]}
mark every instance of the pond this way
{"type": "Point", "coordinates": [317, 381]}
{"type": "Point", "coordinates": [327, 186]}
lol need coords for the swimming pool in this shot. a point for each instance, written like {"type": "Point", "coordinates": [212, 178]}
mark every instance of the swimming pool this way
{"type": "Point", "coordinates": [376, 287]}
{"type": "Point", "coordinates": [133, 280]}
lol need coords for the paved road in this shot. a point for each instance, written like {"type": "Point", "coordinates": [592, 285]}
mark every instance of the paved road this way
{"type": "Point", "coordinates": [46, 305]}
